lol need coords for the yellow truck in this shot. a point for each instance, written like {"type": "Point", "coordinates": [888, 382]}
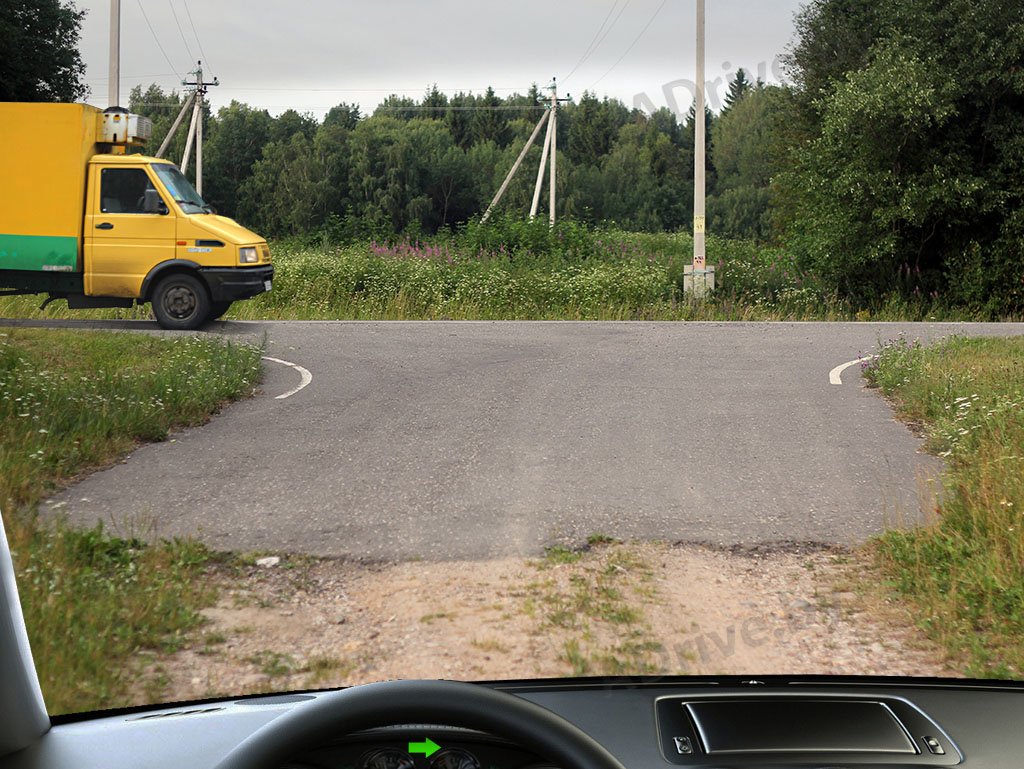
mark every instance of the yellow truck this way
{"type": "Point", "coordinates": [83, 221]}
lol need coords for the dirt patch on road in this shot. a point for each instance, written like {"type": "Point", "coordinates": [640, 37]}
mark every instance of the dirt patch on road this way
{"type": "Point", "coordinates": [612, 609]}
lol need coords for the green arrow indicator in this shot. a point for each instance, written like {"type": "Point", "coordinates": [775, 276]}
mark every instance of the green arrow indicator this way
{"type": "Point", "coordinates": [428, 747]}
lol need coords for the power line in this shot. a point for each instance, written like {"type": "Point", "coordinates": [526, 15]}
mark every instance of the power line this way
{"type": "Point", "coordinates": [590, 46]}
{"type": "Point", "coordinates": [132, 77]}
{"type": "Point", "coordinates": [382, 89]}
{"type": "Point", "coordinates": [615, 21]}
{"type": "Point", "coordinates": [192, 24]}
{"type": "Point", "coordinates": [181, 32]}
{"type": "Point", "coordinates": [157, 40]}
{"type": "Point", "coordinates": [462, 108]}
{"type": "Point", "coordinates": [411, 108]}
{"type": "Point", "coordinates": [631, 45]}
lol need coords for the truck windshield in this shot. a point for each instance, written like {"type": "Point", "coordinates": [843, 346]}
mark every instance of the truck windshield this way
{"type": "Point", "coordinates": [181, 190]}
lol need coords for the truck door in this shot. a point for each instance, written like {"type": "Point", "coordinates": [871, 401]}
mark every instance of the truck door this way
{"type": "Point", "coordinates": [123, 242]}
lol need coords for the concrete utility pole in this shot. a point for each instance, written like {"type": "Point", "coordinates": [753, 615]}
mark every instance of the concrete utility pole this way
{"type": "Point", "coordinates": [698, 279]}
{"type": "Point", "coordinates": [515, 166]}
{"type": "Point", "coordinates": [543, 167]}
{"type": "Point", "coordinates": [550, 148]}
{"type": "Point", "coordinates": [114, 77]}
{"type": "Point", "coordinates": [185, 107]}
{"type": "Point", "coordinates": [195, 128]}
{"type": "Point", "coordinates": [554, 150]}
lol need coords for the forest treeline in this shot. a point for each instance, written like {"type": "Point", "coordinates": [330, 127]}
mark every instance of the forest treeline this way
{"type": "Point", "coordinates": [891, 160]}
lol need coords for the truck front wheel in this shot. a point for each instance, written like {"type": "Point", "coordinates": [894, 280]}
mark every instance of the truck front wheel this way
{"type": "Point", "coordinates": [181, 302]}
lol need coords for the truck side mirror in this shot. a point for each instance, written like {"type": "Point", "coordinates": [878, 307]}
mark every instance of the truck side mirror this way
{"type": "Point", "coordinates": [153, 203]}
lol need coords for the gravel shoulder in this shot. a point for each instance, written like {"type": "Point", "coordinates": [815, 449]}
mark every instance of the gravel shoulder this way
{"type": "Point", "coordinates": [636, 608]}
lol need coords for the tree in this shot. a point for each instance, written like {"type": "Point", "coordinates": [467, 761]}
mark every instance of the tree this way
{"type": "Point", "coordinates": [749, 151]}
{"type": "Point", "coordinates": [39, 57]}
{"type": "Point", "coordinates": [489, 123]}
{"type": "Point", "coordinates": [911, 164]}
{"type": "Point", "coordinates": [739, 87]}
{"type": "Point", "coordinates": [231, 151]}
{"type": "Point", "coordinates": [344, 114]}
{"type": "Point", "coordinates": [592, 129]}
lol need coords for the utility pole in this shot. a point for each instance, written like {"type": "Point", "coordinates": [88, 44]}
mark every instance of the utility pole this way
{"type": "Point", "coordinates": [550, 147]}
{"type": "Point", "coordinates": [195, 128]}
{"type": "Point", "coordinates": [697, 278]}
{"type": "Point", "coordinates": [554, 150]}
{"type": "Point", "coordinates": [515, 166]}
{"type": "Point", "coordinates": [114, 76]}
{"type": "Point", "coordinates": [543, 167]}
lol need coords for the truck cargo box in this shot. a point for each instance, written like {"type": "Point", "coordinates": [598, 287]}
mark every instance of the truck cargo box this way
{"type": "Point", "coordinates": [44, 150]}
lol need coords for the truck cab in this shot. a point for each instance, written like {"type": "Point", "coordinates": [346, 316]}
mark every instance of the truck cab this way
{"type": "Point", "coordinates": [148, 235]}
{"type": "Point", "coordinates": [81, 220]}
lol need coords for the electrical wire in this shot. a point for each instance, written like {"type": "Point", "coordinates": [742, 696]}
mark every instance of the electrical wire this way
{"type": "Point", "coordinates": [360, 90]}
{"type": "Point", "coordinates": [181, 32]}
{"type": "Point", "coordinates": [410, 108]}
{"type": "Point", "coordinates": [590, 46]}
{"type": "Point", "coordinates": [157, 39]}
{"type": "Point", "coordinates": [611, 26]}
{"type": "Point", "coordinates": [196, 34]}
{"type": "Point", "coordinates": [631, 45]}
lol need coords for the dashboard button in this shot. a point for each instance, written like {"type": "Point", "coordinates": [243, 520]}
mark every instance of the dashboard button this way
{"type": "Point", "coordinates": [683, 745]}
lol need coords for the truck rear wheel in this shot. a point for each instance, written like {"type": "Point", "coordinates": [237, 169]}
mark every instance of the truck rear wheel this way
{"type": "Point", "coordinates": [181, 302]}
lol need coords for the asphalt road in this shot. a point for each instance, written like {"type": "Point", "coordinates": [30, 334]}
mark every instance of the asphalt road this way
{"type": "Point", "coordinates": [468, 440]}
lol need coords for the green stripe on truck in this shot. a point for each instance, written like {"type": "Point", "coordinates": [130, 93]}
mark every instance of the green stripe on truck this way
{"type": "Point", "coordinates": [44, 253]}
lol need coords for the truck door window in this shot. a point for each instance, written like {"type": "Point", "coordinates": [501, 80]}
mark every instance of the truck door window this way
{"type": "Point", "coordinates": [123, 190]}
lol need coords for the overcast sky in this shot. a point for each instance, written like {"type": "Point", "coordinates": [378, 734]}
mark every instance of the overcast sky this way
{"type": "Point", "coordinates": [312, 54]}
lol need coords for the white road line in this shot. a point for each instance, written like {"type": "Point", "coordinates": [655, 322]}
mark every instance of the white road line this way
{"type": "Point", "coordinates": [835, 376]}
{"type": "Point", "coordinates": [304, 373]}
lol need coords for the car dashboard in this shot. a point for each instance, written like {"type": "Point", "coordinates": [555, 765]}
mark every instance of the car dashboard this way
{"type": "Point", "coordinates": [649, 723]}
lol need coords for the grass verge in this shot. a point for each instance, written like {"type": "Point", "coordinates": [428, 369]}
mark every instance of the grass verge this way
{"type": "Point", "coordinates": [71, 402]}
{"type": "Point", "coordinates": [533, 272]}
{"type": "Point", "coordinates": [966, 571]}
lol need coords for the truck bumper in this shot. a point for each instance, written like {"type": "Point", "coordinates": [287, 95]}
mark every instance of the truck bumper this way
{"type": "Point", "coordinates": [228, 284]}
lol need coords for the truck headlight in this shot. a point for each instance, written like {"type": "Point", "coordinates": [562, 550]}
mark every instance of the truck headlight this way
{"type": "Point", "coordinates": [248, 255]}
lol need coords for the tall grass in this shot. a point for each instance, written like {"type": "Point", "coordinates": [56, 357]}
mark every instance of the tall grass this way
{"type": "Point", "coordinates": [514, 270]}
{"type": "Point", "coordinates": [966, 572]}
{"type": "Point", "coordinates": [70, 402]}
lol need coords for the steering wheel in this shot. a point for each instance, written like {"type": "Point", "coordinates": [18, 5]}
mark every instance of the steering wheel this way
{"type": "Point", "coordinates": [394, 703]}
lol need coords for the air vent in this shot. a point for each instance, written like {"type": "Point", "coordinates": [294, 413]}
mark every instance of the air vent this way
{"type": "Point", "coordinates": [210, 244]}
{"type": "Point", "coordinates": [174, 714]}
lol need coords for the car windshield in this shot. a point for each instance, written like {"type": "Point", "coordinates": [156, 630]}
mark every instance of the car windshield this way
{"type": "Point", "coordinates": [537, 340]}
{"type": "Point", "coordinates": [181, 189]}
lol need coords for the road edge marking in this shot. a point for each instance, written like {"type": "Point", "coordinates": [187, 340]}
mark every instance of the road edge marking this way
{"type": "Point", "coordinates": [303, 372]}
{"type": "Point", "coordinates": [835, 376]}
